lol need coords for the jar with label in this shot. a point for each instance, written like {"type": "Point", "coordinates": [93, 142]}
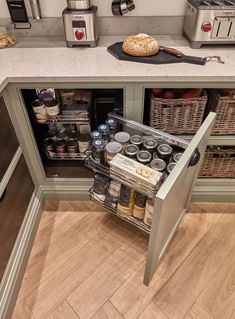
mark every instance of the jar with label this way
{"type": "Point", "coordinates": [39, 110]}
{"type": "Point", "coordinates": [164, 151]}
{"type": "Point", "coordinates": [113, 194]}
{"type": "Point", "coordinates": [177, 156]}
{"type": "Point", "coordinates": [98, 146]}
{"type": "Point", "coordinates": [131, 151]}
{"type": "Point", "coordinates": [111, 149]}
{"type": "Point", "coordinates": [96, 135]}
{"type": "Point", "coordinates": [137, 140]}
{"type": "Point", "coordinates": [126, 200]}
{"type": "Point", "coordinates": [101, 184]}
{"type": "Point", "coordinates": [158, 165]}
{"type": "Point", "coordinates": [52, 108]}
{"type": "Point", "coordinates": [60, 146]}
{"type": "Point", "coordinates": [72, 136]}
{"type": "Point", "coordinates": [72, 146]}
{"type": "Point", "coordinates": [139, 205]}
{"type": "Point", "coordinates": [123, 138]}
{"type": "Point", "coordinates": [112, 123]}
{"type": "Point", "coordinates": [170, 167]}
{"type": "Point", "coordinates": [104, 129]}
{"type": "Point", "coordinates": [144, 157]}
{"type": "Point", "coordinates": [84, 142]}
{"type": "Point", "coordinates": [148, 216]}
{"type": "Point", "coordinates": [150, 145]}
{"type": "Point", "coordinates": [49, 145]}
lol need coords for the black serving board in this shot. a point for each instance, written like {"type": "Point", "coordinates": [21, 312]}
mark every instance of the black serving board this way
{"type": "Point", "coordinates": [160, 58]}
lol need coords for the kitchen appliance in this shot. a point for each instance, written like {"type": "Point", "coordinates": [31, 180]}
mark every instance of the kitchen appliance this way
{"type": "Point", "coordinates": [209, 22]}
{"type": "Point", "coordinates": [80, 23]}
{"type": "Point", "coordinates": [120, 7]}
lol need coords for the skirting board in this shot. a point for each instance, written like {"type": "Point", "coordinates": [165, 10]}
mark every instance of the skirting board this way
{"type": "Point", "coordinates": [14, 273]}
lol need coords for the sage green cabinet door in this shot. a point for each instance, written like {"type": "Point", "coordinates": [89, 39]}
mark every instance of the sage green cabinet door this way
{"type": "Point", "coordinates": [173, 197]}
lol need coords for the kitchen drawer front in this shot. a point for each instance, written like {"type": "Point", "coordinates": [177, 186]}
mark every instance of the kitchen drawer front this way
{"type": "Point", "coordinates": [13, 206]}
{"type": "Point", "coordinates": [172, 199]}
{"type": "Point", "coordinates": [8, 140]}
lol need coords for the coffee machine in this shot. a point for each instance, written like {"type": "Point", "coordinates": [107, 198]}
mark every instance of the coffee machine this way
{"type": "Point", "coordinates": [80, 23]}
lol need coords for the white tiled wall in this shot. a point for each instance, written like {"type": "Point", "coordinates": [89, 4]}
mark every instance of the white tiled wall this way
{"type": "Point", "coordinates": [53, 8]}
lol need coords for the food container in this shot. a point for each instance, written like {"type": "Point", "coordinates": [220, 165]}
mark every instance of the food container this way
{"type": "Point", "coordinates": [137, 140]}
{"type": "Point", "coordinates": [96, 135]}
{"type": "Point", "coordinates": [52, 108]}
{"type": "Point", "coordinates": [139, 205]}
{"type": "Point", "coordinates": [72, 136]}
{"type": "Point", "coordinates": [158, 165]}
{"type": "Point", "coordinates": [150, 145]}
{"type": "Point", "coordinates": [164, 151]}
{"type": "Point", "coordinates": [114, 189]}
{"type": "Point", "coordinates": [72, 146]}
{"type": "Point", "coordinates": [112, 149]}
{"type": "Point", "coordinates": [123, 138]}
{"type": "Point", "coordinates": [98, 146]}
{"type": "Point", "coordinates": [104, 129]}
{"type": "Point", "coordinates": [170, 167]}
{"type": "Point", "coordinates": [112, 123]}
{"type": "Point", "coordinates": [60, 146]}
{"type": "Point", "coordinates": [144, 157]}
{"type": "Point", "coordinates": [126, 200]}
{"type": "Point", "coordinates": [39, 110]}
{"type": "Point", "coordinates": [62, 135]}
{"type": "Point", "coordinates": [7, 39]}
{"type": "Point", "coordinates": [131, 151]}
{"type": "Point", "coordinates": [101, 184]}
{"type": "Point", "coordinates": [49, 145]}
{"type": "Point", "coordinates": [51, 135]}
{"type": "Point", "coordinates": [177, 157]}
{"type": "Point", "coordinates": [83, 142]}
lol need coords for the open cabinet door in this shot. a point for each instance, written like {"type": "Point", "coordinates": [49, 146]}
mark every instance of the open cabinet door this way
{"type": "Point", "coordinates": [173, 197]}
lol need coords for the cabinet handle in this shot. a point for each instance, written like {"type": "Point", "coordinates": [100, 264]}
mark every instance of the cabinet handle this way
{"type": "Point", "coordinates": [195, 158]}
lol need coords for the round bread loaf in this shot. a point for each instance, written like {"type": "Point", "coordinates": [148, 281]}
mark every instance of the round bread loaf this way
{"type": "Point", "coordinates": [140, 45]}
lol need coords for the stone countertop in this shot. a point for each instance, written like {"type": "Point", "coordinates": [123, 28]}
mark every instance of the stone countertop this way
{"type": "Point", "coordinates": [49, 60]}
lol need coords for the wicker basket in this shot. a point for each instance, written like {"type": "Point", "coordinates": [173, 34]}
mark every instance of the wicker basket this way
{"type": "Point", "coordinates": [224, 106]}
{"type": "Point", "coordinates": [177, 115]}
{"type": "Point", "coordinates": [219, 162]}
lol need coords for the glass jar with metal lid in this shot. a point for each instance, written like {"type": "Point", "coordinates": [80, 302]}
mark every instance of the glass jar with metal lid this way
{"type": "Point", "coordinates": [137, 140]}
{"type": "Point", "coordinates": [123, 138]}
{"type": "Point", "coordinates": [158, 165]}
{"type": "Point", "coordinates": [144, 157]}
{"type": "Point", "coordinates": [131, 151]}
{"type": "Point", "coordinates": [72, 146]}
{"type": "Point", "coordinates": [170, 167]}
{"type": "Point", "coordinates": [164, 152]}
{"type": "Point", "coordinates": [96, 135]}
{"type": "Point", "coordinates": [52, 108]}
{"type": "Point", "coordinates": [111, 149]}
{"type": "Point", "coordinates": [98, 146]}
{"type": "Point", "coordinates": [112, 123]}
{"type": "Point", "coordinates": [177, 156]}
{"type": "Point", "coordinates": [150, 144]}
{"type": "Point", "coordinates": [60, 146]}
{"type": "Point", "coordinates": [104, 129]}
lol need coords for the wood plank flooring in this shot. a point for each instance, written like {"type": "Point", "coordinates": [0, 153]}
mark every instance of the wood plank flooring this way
{"type": "Point", "coordinates": [86, 264]}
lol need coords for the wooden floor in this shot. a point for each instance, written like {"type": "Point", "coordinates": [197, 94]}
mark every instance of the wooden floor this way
{"type": "Point", "coordinates": [88, 264]}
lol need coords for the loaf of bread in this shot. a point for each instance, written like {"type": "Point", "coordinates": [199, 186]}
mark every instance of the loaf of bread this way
{"type": "Point", "coordinates": [140, 45]}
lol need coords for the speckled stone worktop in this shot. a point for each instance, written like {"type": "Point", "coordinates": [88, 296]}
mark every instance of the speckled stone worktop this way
{"type": "Point", "coordinates": [46, 60]}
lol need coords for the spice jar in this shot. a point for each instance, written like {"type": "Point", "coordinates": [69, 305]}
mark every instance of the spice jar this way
{"type": "Point", "coordinates": [123, 138]}
{"type": "Point", "coordinates": [158, 165]}
{"type": "Point", "coordinates": [60, 146]}
{"type": "Point", "coordinates": [52, 108]}
{"type": "Point", "coordinates": [112, 123]}
{"type": "Point", "coordinates": [39, 110]}
{"type": "Point", "coordinates": [150, 145]}
{"type": "Point", "coordinates": [177, 156]}
{"type": "Point", "coordinates": [131, 151]}
{"type": "Point", "coordinates": [164, 152]}
{"type": "Point", "coordinates": [98, 146]}
{"type": "Point", "coordinates": [137, 140]}
{"type": "Point", "coordinates": [111, 149]}
{"type": "Point", "coordinates": [144, 157]}
{"type": "Point", "coordinates": [170, 167]}
{"type": "Point", "coordinates": [95, 135]}
{"type": "Point", "coordinates": [104, 129]}
{"type": "Point", "coordinates": [83, 142]}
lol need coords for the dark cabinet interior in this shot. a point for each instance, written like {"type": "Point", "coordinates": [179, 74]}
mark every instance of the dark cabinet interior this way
{"type": "Point", "coordinates": [13, 206]}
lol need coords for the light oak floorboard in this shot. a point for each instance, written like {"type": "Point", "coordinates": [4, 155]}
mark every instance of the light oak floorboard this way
{"type": "Point", "coordinates": [132, 297]}
{"type": "Point", "coordinates": [108, 311]}
{"type": "Point", "coordinates": [63, 311]}
{"type": "Point", "coordinates": [151, 312]}
{"type": "Point", "coordinates": [184, 287]}
{"type": "Point", "coordinates": [198, 312]}
{"type": "Point", "coordinates": [218, 298]}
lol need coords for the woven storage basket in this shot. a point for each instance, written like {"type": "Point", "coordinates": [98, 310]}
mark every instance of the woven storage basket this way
{"type": "Point", "coordinates": [177, 115]}
{"type": "Point", "coordinates": [219, 163]}
{"type": "Point", "coordinates": [224, 106]}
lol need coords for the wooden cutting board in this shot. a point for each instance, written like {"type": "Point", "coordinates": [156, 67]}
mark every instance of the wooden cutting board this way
{"type": "Point", "coordinates": [160, 58]}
